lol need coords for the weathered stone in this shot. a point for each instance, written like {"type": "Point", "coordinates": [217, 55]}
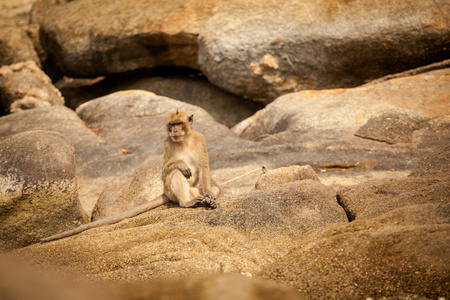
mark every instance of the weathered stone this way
{"type": "Point", "coordinates": [365, 259]}
{"type": "Point", "coordinates": [24, 86]}
{"type": "Point", "coordinates": [416, 214]}
{"type": "Point", "coordinates": [392, 126]}
{"type": "Point", "coordinates": [16, 11]}
{"type": "Point", "coordinates": [319, 126]}
{"type": "Point", "coordinates": [427, 184]}
{"type": "Point", "coordinates": [88, 38]}
{"type": "Point", "coordinates": [264, 49]}
{"type": "Point", "coordinates": [38, 194]}
{"type": "Point", "coordinates": [435, 164]}
{"type": "Point", "coordinates": [97, 162]}
{"type": "Point", "coordinates": [135, 120]}
{"type": "Point", "coordinates": [286, 174]}
{"type": "Point", "coordinates": [242, 235]}
{"type": "Point", "coordinates": [376, 197]}
{"type": "Point", "coordinates": [15, 46]}
{"type": "Point", "coordinates": [289, 208]}
{"type": "Point", "coordinates": [143, 186]}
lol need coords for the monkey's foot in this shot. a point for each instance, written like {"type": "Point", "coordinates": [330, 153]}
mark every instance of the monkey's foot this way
{"type": "Point", "coordinates": [206, 201]}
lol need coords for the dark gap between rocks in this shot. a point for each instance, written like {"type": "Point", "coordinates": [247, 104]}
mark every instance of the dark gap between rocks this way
{"type": "Point", "coordinates": [350, 216]}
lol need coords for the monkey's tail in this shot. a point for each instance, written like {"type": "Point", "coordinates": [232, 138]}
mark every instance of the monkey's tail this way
{"type": "Point", "coordinates": [158, 201]}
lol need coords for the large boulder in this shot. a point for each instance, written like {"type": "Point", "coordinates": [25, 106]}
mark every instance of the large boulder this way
{"type": "Point", "coordinates": [376, 197]}
{"type": "Point", "coordinates": [87, 38]}
{"type": "Point", "coordinates": [97, 162]}
{"type": "Point", "coordinates": [322, 124]}
{"type": "Point", "coordinates": [23, 86]}
{"type": "Point", "coordinates": [369, 260]}
{"type": "Point", "coordinates": [16, 12]}
{"type": "Point", "coordinates": [244, 234]}
{"type": "Point", "coordinates": [135, 120]}
{"type": "Point", "coordinates": [264, 49]}
{"type": "Point", "coordinates": [392, 126]}
{"type": "Point", "coordinates": [15, 45]}
{"type": "Point", "coordinates": [38, 190]}
{"type": "Point", "coordinates": [191, 88]}
{"type": "Point", "coordinates": [427, 184]}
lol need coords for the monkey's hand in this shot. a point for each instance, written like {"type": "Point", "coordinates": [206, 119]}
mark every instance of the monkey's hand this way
{"type": "Point", "coordinates": [184, 168]}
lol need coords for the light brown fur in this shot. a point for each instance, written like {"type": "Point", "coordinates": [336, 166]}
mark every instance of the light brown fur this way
{"type": "Point", "coordinates": [186, 174]}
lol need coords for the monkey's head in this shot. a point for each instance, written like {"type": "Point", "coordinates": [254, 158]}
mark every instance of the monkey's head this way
{"type": "Point", "coordinates": [179, 126]}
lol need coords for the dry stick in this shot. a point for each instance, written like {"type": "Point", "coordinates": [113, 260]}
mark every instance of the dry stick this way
{"type": "Point", "coordinates": [160, 200]}
{"type": "Point", "coordinates": [263, 169]}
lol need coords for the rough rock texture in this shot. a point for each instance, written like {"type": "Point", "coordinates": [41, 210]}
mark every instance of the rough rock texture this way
{"type": "Point", "coordinates": [427, 183]}
{"type": "Point", "coordinates": [38, 188]}
{"type": "Point", "coordinates": [135, 120]}
{"type": "Point", "coordinates": [191, 88]}
{"type": "Point", "coordinates": [376, 197]}
{"type": "Point", "coordinates": [88, 38]}
{"type": "Point", "coordinates": [396, 245]}
{"type": "Point", "coordinates": [286, 174]}
{"type": "Point", "coordinates": [342, 111]}
{"type": "Point", "coordinates": [241, 236]}
{"type": "Point", "coordinates": [16, 11]}
{"type": "Point", "coordinates": [143, 186]}
{"type": "Point", "coordinates": [263, 49]}
{"type": "Point", "coordinates": [368, 259]}
{"type": "Point", "coordinates": [392, 126]}
{"type": "Point", "coordinates": [15, 46]}
{"type": "Point", "coordinates": [436, 164]}
{"type": "Point", "coordinates": [24, 86]}
{"type": "Point", "coordinates": [97, 162]}
{"type": "Point", "coordinates": [322, 124]}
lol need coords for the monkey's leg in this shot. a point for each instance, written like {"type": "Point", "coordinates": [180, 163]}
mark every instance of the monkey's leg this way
{"type": "Point", "coordinates": [208, 200]}
{"type": "Point", "coordinates": [180, 191]}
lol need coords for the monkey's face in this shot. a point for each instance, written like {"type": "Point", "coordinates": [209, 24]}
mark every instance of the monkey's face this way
{"type": "Point", "coordinates": [179, 126]}
{"type": "Point", "coordinates": [177, 131]}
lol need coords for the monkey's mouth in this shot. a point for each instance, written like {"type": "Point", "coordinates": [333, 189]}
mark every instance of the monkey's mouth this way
{"type": "Point", "coordinates": [176, 138]}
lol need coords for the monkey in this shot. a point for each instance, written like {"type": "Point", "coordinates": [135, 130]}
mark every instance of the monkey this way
{"type": "Point", "coordinates": [186, 175]}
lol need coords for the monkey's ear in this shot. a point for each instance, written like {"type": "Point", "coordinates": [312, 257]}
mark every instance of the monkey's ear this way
{"type": "Point", "coordinates": [191, 119]}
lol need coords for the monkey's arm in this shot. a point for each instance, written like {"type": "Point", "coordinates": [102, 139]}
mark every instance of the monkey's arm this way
{"type": "Point", "coordinates": [180, 165]}
{"type": "Point", "coordinates": [158, 201]}
{"type": "Point", "coordinates": [170, 164]}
